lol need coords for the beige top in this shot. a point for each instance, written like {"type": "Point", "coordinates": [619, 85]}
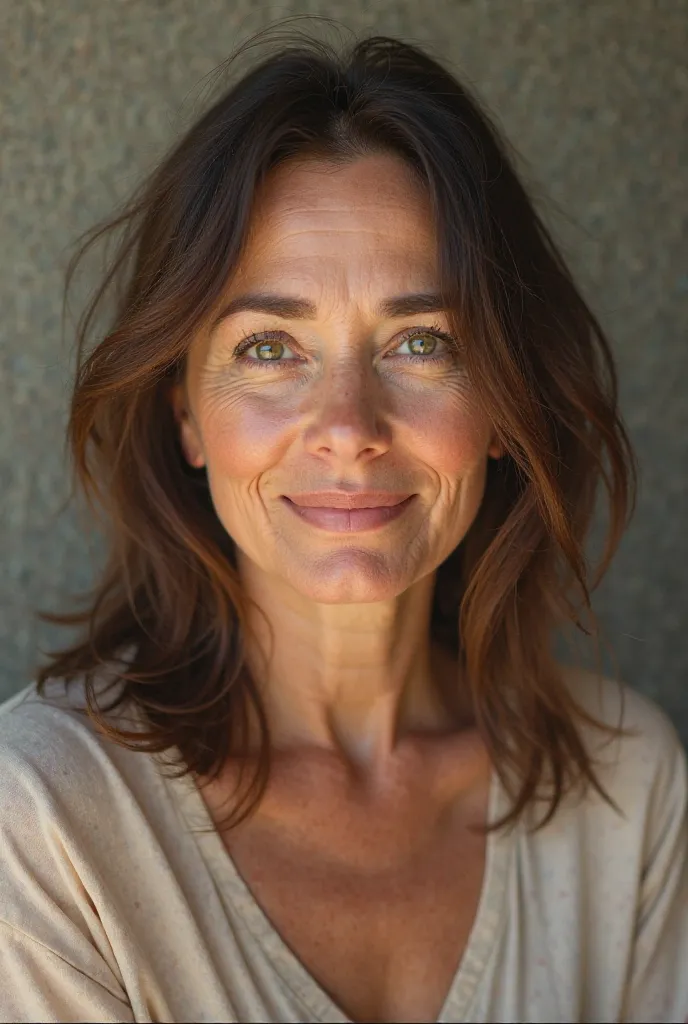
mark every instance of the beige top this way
{"type": "Point", "coordinates": [112, 909]}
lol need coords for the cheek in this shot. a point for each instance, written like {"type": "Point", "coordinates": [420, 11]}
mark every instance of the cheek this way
{"type": "Point", "coordinates": [247, 434]}
{"type": "Point", "coordinates": [243, 437]}
{"type": "Point", "coordinates": [451, 440]}
{"type": "Point", "coordinates": [451, 437]}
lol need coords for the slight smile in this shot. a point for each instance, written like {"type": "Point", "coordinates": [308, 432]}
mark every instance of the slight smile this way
{"type": "Point", "coordinates": [347, 519]}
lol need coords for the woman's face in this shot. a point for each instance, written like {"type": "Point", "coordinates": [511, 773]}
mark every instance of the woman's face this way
{"type": "Point", "coordinates": [341, 396]}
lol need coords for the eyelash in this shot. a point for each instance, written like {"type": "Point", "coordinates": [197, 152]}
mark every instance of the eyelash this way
{"type": "Point", "coordinates": [251, 340]}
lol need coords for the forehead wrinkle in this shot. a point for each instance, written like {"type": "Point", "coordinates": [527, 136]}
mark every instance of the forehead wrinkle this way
{"type": "Point", "coordinates": [339, 289]}
{"type": "Point", "coordinates": [371, 218]}
{"type": "Point", "coordinates": [312, 207]}
{"type": "Point", "coordinates": [397, 242]}
{"type": "Point", "coordinates": [341, 293]}
{"type": "Point", "coordinates": [408, 269]}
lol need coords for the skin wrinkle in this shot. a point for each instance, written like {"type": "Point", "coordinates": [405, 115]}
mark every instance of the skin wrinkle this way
{"type": "Point", "coordinates": [375, 786]}
{"type": "Point", "coordinates": [352, 672]}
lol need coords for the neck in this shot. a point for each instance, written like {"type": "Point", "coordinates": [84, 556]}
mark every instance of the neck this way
{"type": "Point", "coordinates": [353, 680]}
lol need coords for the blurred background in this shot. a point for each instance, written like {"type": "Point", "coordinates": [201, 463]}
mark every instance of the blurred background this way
{"type": "Point", "coordinates": [593, 95]}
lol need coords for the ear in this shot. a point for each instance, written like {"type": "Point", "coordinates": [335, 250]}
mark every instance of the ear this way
{"type": "Point", "coordinates": [496, 449]}
{"type": "Point", "coordinates": [189, 436]}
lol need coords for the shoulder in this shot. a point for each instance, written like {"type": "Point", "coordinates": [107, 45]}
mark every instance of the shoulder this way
{"type": "Point", "coordinates": [48, 736]}
{"type": "Point", "coordinates": [648, 739]}
{"type": "Point", "coordinates": [65, 830]}
{"type": "Point", "coordinates": [41, 737]}
{"type": "Point", "coordinates": [639, 760]}
{"type": "Point", "coordinates": [76, 810]}
{"type": "Point", "coordinates": [57, 770]}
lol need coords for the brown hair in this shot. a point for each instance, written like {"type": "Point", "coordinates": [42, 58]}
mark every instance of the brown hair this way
{"type": "Point", "coordinates": [169, 611]}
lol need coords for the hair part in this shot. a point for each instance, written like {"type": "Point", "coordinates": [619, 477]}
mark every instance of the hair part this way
{"type": "Point", "coordinates": [169, 609]}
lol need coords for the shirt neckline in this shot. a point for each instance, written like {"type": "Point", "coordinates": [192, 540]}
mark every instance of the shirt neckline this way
{"type": "Point", "coordinates": [292, 972]}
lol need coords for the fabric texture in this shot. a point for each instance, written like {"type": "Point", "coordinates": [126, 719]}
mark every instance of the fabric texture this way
{"type": "Point", "coordinates": [115, 907]}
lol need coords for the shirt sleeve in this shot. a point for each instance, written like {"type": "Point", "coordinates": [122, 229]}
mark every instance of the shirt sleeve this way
{"type": "Point", "coordinates": [55, 961]}
{"type": "Point", "coordinates": [658, 986]}
{"type": "Point", "coordinates": [39, 985]}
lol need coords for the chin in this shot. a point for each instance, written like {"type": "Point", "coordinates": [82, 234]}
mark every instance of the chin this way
{"type": "Point", "coordinates": [353, 576]}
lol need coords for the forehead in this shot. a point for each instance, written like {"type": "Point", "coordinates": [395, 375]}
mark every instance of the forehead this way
{"type": "Point", "coordinates": [365, 222]}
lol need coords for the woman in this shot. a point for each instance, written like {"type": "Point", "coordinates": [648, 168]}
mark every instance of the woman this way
{"type": "Point", "coordinates": [312, 758]}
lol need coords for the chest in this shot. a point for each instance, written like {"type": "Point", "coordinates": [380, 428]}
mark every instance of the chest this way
{"type": "Point", "coordinates": [383, 934]}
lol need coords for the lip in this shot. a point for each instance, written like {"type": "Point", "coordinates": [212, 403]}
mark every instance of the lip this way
{"type": "Point", "coordinates": [348, 519]}
{"type": "Point", "coordinates": [347, 499]}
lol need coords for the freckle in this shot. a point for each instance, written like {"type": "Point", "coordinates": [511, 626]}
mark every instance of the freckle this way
{"type": "Point", "coordinates": [137, 905]}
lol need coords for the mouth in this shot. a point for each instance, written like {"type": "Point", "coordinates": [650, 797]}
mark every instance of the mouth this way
{"type": "Point", "coordinates": [347, 499]}
{"type": "Point", "coordinates": [347, 519]}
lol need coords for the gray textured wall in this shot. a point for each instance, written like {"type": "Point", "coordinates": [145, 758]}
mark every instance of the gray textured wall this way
{"type": "Point", "coordinates": [593, 94]}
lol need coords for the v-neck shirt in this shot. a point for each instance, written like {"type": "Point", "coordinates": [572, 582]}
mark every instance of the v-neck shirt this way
{"type": "Point", "coordinates": [316, 1003]}
{"type": "Point", "coordinates": [120, 902]}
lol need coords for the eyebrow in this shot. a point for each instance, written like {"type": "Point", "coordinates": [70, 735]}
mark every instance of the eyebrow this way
{"type": "Point", "coordinates": [302, 309]}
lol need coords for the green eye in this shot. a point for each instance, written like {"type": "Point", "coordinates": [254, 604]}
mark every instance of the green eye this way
{"type": "Point", "coordinates": [270, 351]}
{"type": "Point", "coordinates": [265, 346]}
{"type": "Point", "coordinates": [427, 343]}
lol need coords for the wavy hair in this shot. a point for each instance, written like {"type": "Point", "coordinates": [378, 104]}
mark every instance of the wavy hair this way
{"type": "Point", "coordinates": [168, 611]}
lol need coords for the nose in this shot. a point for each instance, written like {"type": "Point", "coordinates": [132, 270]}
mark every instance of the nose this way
{"type": "Point", "coordinates": [347, 421]}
